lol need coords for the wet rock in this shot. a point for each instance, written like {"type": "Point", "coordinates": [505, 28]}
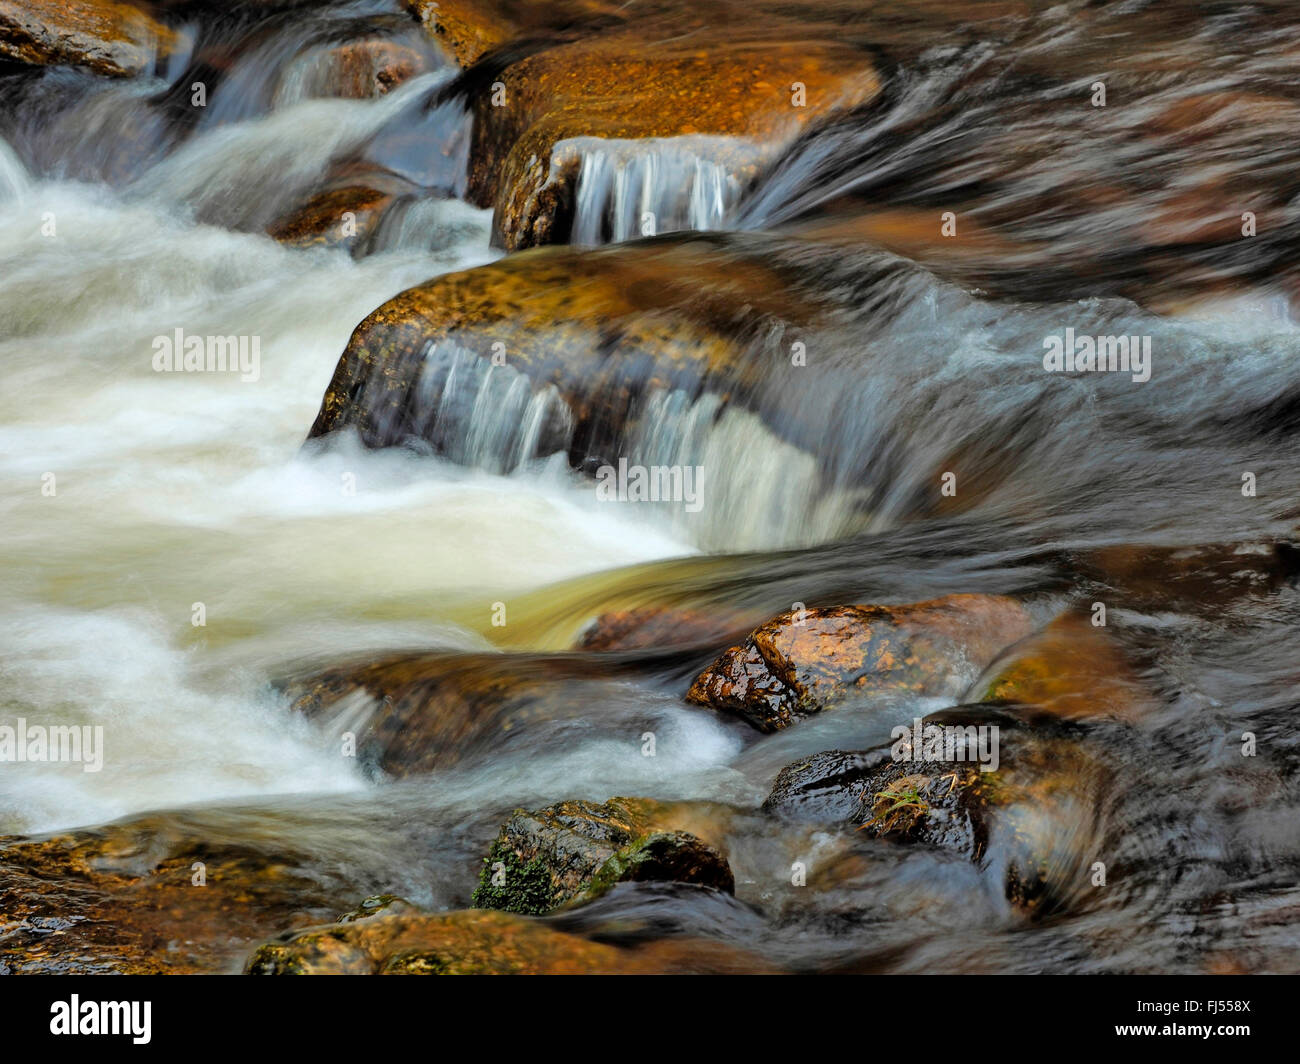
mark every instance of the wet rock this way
{"type": "Point", "coordinates": [824, 788]}
{"type": "Point", "coordinates": [1033, 824]}
{"type": "Point", "coordinates": [364, 69]}
{"type": "Point", "coordinates": [1069, 669]}
{"type": "Point", "coordinates": [714, 104]}
{"type": "Point", "coordinates": [647, 627]}
{"type": "Point", "coordinates": [341, 217]}
{"type": "Point", "coordinates": [478, 942]}
{"type": "Point", "coordinates": [578, 342]}
{"type": "Point", "coordinates": [1197, 579]}
{"type": "Point", "coordinates": [149, 896]}
{"type": "Point", "coordinates": [470, 28]}
{"type": "Point", "coordinates": [575, 851]}
{"type": "Point", "coordinates": [414, 713]}
{"type": "Point", "coordinates": [802, 662]}
{"type": "Point", "coordinates": [106, 36]}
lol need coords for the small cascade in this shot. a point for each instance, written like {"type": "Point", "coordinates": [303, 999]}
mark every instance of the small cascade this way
{"type": "Point", "coordinates": [13, 175]}
{"type": "Point", "coordinates": [628, 189]}
{"type": "Point", "coordinates": [487, 416]}
{"type": "Point", "coordinates": [244, 175]}
{"type": "Point", "coordinates": [743, 488]}
{"type": "Point", "coordinates": [714, 474]}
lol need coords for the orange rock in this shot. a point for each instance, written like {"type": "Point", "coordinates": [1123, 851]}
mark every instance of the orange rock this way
{"type": "Point", "coordinates": [802, 662]}
{"type": "Point", "coordinates": [106, 36]}
{"type": "Point", "coordinates": [659, 626]}
{"type": "Point", "coordinates": [734, 96]}
{"type": "Point", "coordinates": [1069, 669]}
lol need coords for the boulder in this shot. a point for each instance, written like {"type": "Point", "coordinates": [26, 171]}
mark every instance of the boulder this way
{"type": "Point", "coordinates": [803, 661]}
{"type": "Point", "coordinates": [128, 898]}
{"type": "Point", "coordinates": [108, 37]}
{"type": "Point", "coordinates": [1070, 669]}
{"type": "Point", "coordinates": [1033, 824]}
{"type": "Point", "coordinates": [693, 106]}
{"type": "Point", "coordinates": [574, 851]}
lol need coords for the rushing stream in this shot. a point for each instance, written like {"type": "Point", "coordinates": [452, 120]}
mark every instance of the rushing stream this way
{"type": "Point", "coordinates": [172, 555]}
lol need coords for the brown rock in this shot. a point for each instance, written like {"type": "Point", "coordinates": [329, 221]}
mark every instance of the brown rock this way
{"type": "Point", "coordinates": [335, 217]}
{"type": "Point", "coordinates": [599, 328]}
{"type": "Point", "coordinates": [106, 36]}
{"type": "Point", "coordinates": [413, 713]}
{"type": "Point", "coordinates": [801, 662]}
{"type": "Point", "coordinates": [574, 851]}
{"type": "Point", "coordinates": [726, 94]}
{"type": "Point", "coordinates": [122, 899]}
{"type": "Point", "coordinates": [648, 627]}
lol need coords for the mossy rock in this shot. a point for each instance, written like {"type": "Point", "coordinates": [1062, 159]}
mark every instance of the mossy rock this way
{"type": "Point", "coordinates": [572, 852]}
{"type": "Point", "coordinates": [1033, 824]}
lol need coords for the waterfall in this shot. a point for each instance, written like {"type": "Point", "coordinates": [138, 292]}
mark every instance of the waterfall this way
{"type": "Point", "coordinates": [627, 189]}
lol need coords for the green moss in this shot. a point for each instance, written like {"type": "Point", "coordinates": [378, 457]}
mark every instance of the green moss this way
{"type": "Point", "coordinates": [526, 888]}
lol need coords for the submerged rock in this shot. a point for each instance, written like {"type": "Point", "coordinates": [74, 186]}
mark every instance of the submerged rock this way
{"type": "Point", "coordinates": [647, 627]}
{"type": "Point", "coordinates": [370, 67]}
{"type": "Point", "coordinates": [1069, 669]}
{"type": "Point", "coordinates": [477, 942]}
{"type": "Point", "coordinates": [105, 36]}
{"type": "Point", "coordinates": [409, 714]}
{"type": "Point", "coordinates": [379, 905]}
{"type": "Point", "coordinates": [575, 851]}
{"type": "Point", "coordinates": [804, 661]}
{"type": "Point", "coordinates": [1034, 823]}
{"type": "Point", "coordinates": [1205, 578]}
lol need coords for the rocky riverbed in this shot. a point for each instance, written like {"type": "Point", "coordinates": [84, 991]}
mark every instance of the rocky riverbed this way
{"type": "Point", "coordinates": [703, 487]}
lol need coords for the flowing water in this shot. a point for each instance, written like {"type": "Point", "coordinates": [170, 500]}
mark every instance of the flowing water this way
{"type": "Point", "coordinates": [136, 502]}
